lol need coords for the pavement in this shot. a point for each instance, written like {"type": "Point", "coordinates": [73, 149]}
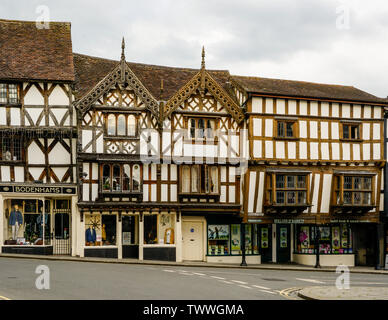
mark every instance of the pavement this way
{"type": "Point", "coordinates": [353, 293]}
{"type": "Point", "coordinates": [266, 266]}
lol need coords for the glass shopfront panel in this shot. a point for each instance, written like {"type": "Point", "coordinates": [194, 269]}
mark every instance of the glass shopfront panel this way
{"type": "Point", "coordinates": [159, 228]}
{"type": "Point", "coordinates": [100, 230]}
{"type": "Point", "coordinates": [334, 239]}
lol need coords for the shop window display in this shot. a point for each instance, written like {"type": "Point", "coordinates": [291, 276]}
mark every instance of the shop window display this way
{"type": "Point", "coordinates": [100, 230]}
{"type": "Point", "coordinates": [335, 239]}
{"type": "Point", "coordinates": [150, 229]}
{"type": "Point", "coordinates": [159, 229]}
{"type": "Point", "coordinates": [218, 240]}
{"type": "Point", "coordinates": [129, 228]}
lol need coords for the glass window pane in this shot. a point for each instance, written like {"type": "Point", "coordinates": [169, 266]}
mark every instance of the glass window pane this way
{"type": "Point", "coordinates": [116, 183]}
{"type": "Point", "coordinates": [126, 177]}
{"type": "Point", "coordinates": [136, 180]}
{"type": "Point", "coordinates": [290, 131]}
{"type": "Point", "coordinates": [367, 183]}
{"type": "Point", "coordinates": [150, 229]}
{"type": "Point", "coordinates": [301, 181]}
{"type": "Point", "coordinates": [131, 125]}
{"type": "Point", "coordinates": [357, 183]}
{"type": "Point", "coordinates": [346, 131]}
{"type": "Point", "coordinates": [194, 179]}
{"type": "Point", "coordinates": [185, 179]}
{"type": "Point", "coordinates": [201, 128]}
{"type": "Point", "coordinates": [280, 129]}
{"type": "Point", "coordinates": [3, 93]}
{"type": "Point", "coordinates": [302, 197]}
{"type": "Point", "coordinates": [279, 181]}
{"type": "Point", "coordinates": [290, 182]}
{"type": "Point", "coordinates": [108, 230]}
{"type": "Point", "coordinates": [111, 125]}
{"type": "Point", "coordinates": [121, 125]}
{"type": "Point", "coordinates": [348, 183]}
{"type": "Point", "coordinates": [291, 197]}
{"type": "Point", "coordinates": [210, 129]}
{"type": "Point", "coordinates": [106, 178]}
{"type": "Point", "coordinates": [213, 180]}
{"type": "Point", "coordinates": [192, 128]}
{"type": "Point", "coordinates": [367, 198]}
{"type": "Point", "coordinates": [357, 197]}
{"type": "Point", "coordinates": [13, 93]}
{"type": "Point", "coordinates": [280, 197]}
{"type": "Point", "coordinates": [347, 197]}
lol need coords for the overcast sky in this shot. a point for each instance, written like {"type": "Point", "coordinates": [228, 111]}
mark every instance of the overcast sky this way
{"type": "Point", "coordinates": [328, 41]}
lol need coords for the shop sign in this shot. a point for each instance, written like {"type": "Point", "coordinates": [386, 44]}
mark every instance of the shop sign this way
{"type": "Point", "coordinates": [37, 189]}
{"type": "Point", "coordinates": [348, 221]}
{"type": "Point", "coordinates": [288, 221]}
{"type": "Point", "coordinates": [254, 220]}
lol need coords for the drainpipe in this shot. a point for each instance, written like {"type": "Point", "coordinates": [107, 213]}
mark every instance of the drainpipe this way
{"type": "Point", "coordinates": [243, 261]}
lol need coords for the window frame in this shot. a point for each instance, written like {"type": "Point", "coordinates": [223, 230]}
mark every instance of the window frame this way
{"type": "Point", "coordinates": [350, 125]}
{"type": "Point", "coordinates": [120, 190]}
{"type": "Point", "coordinates": [203, 187]}
{"type": "Point", "coordinates": [127, 130]}
{"type": "Point", "coordinates": [339, 190]}
{"type": "Point", "coordinates": [8, 102]}
{"type": "Point", "coordinates": [12, 145]}
{"type": "Point", "coordinates": [295, 129]}
{"type": "Point", "coordinates": [205, 120]}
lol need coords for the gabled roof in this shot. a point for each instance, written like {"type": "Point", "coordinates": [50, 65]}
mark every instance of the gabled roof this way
{"type": "Point", "coordinates": [305, 89]}
{"type": "Point", "coordinates": [90, 70]}
{"type": "Point", "coordinates": [29, 53]}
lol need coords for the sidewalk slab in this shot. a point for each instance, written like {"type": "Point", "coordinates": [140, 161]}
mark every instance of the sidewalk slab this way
{"type": "Point", "coordinates": [288, 267]}
{"type": "Point", "coordinates": [353, 293]}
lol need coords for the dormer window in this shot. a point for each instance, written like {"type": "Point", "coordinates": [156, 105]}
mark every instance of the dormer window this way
{"type": "Point", "coordinates": [121, 125]}
{"type": "Point", "coordinates": [9, 93]}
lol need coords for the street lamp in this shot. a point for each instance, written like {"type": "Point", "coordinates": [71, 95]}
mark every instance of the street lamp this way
{"type": "Point", "coordinates": [243, 261]}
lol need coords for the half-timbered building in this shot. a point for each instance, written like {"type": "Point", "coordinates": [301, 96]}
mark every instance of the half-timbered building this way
{"type": "Point", "coordinates": [37, 139]}
{"type": "Point", "coordinates": [316, 160]}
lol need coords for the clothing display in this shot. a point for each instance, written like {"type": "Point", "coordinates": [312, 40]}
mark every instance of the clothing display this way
{"type": "Point", "coordinates": [90, 235]}
{"type": "Point", "coordinates": [15, 216]}
{"type": "Point", "coordinates": [15, 230]}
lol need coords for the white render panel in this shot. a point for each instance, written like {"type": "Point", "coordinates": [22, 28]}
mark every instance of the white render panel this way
{"type": "Point", "coordinates": [335, 151]}
{"type": "Point", "coordinates": [257, 146]}
{"type": "Point", "coordinates": [280, 150]}
{"type": "Point", "coordinates": [35, 154]}
{"type": "Point", "coordinates": [3, 116]}
{"type": "Point", "coordinates": [257, 105]}
{"type": "Point", "coordinates": [376, 131]}
{"type": "Point", "coordinates": [381, 208]}
{"type": "Point", "coordinates": [356, 152]}
{"type": "Point", "coordinates": [314, 152]}
{"type": "Point", "coordinates": [164, 191]}
{"type": "Point", "coordinates": [59, 155]}
{"type": "Point", "coordinates": [269, 105]}
{"type": "Point", "coordinates": [268, 127]}
{"type": "Point", "coordinates": [85, 168]}
{"type": "Point", "coordinates": [86, 138]}
{"type": "Point", "coordinates": [60, 172]}
{"type": "Point", "coordinates": [366, 131]}
{"type": "Point", "coordinates": [251, 191]}
{"type": "Point", "coordinates": [291, 150]}
{"type": "Point", "coordinates": [145, 193]}
{"type": "Point", "coordinates": [94, 191]}
{"type": "Point", "coordinates": [232, 194]}
{"type": "Point", "coordinates": [232, 174]}
{"type": "Point", "coordinates": [19, 174]}
{"type": "Point", "coordinates": [356, 111]}
{"type": "Point", "coordinates": [5, 174]}
{"type": "Point", "coordinates": [325, 151]}
{"type": "Point", "coordinates": [377, 112]}
{"type": "Point", "coordinates": [58, 97]}
{"type": "Point", "coordinates": [166, 143]}
{"type": "Point", "coordinates": [153, 172]}
{"type": "Point", "coordinates": [164, 172]}
{"type": "Point", "coordinates": [346, 151]}
{"type": "Point", "coordinates": [313, 130]}
{"type": "Point", "coordinates": [324, 130]}
{"type": "Point", "coordinates": [326, 192]}
{"type": "Point", "coordinates": [95, 171]}
{"type": "Point", "coordinates": [145, 172]}
{"type": "Point", "coordinates": [367, 112]}
{"type": "Point", "coordinates": [313, 108]}
{"type": "Point", "coordinates": [256, 123]}
{"type": "Point", "coordinates": [280, 106]}
{"type": "Point", "coordinates": [173, 192]}
{"type": "Point", "coordinates": [153, 192]}
{"type": "Point", "coordinates": [260, 193]}
{"type": "Point", "coordinates": [325, 109]}
{"type": "Point", "coordinates": [334, 130]}
{"type": "Point", "coordinates": [291, 106]}
{"type": "Point", "coordinates": [34, 114]}
{"type": "Point", "coordinates": [376, 151]}
{"type": "Point", "coordinates": [33, 97]}
{"type": "Point", "coordinates": [36, 172]}
{"type": "Point", "coordinates": [100, 143]}
{"type": "Point", "coordinates": [223, 174]}
{"type": "Point", "coordinates": [268, 149]}
{"type": "Point", "coordinates": [346, 110]}
{"type": "Point", "coordinates": [223, 194]}
{"type": "Point", "coordinates": [366, 151]}
{"type": "Point", "coordinates": [173, 173]}
{"type": "Point", "coordinates": [303, 129]}
{"type": "Point", "coordinates": [303, 150]}
{"type": "Point", "coordinates": [59, 113]}
{"type": "Point", "coordinates": [315, 194]}
{"type": "Point", "coordinates": [303, 107]}
{"type": "Point", "coordinates": [15, 117]}
{"type": "Point", "coordinates": [335, 110]}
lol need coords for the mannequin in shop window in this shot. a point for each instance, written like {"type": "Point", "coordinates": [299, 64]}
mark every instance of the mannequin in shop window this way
{"type": "Point", "coordinates": [90, 235]}
{"type": "Point", "coordinates": [15, 221]}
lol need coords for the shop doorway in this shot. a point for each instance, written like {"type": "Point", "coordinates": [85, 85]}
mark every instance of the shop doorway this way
{"type": "Point", "coordinates": [61, 228]}
{"type": "Point", "coordinates": [364, 242]}
{"type": "Point", "coordinates": [283, 242]}
{"type": "Point", "coordinates": [192, 240]}
{"type": "Point", "coordinates": [265, 242]}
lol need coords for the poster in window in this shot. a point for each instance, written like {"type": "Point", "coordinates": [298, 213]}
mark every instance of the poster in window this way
{"type": "Point", "coordinates": [325, 233]}
{"type": "Point", "coordinates": [248, 239]}
{"type": "Point", "coordinates": [236, 237]}
{"type": "Point", "coordinates": [218, 232]}
{"type": "Point", "coordinates": [304, 238]}
{"type": "Point", "coordinates": [126, 238]}
{"type": "Point", "coordinates": [264, 238]}
{"type": "Point", "coordinates": [336, 238]}
{"type": "Point", "coordinates": [283, 237]}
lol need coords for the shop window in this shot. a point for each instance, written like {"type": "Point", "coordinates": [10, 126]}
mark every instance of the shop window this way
{"type": "Point", "coordinates": [286, 129]}
{"type": "Point", "coordinates": [11, 148]}
{"type": "Point", "coordinates": [353, 190]}
{"type": "Point", "coordinates": [129, 227]}
{"type": "Point", "coordinates": [27, 223]}
{"type": "Point", "coordinates": [150, 229]}
{"type": "Point", "coordinates": [218, 240]}
{"type": "Point", "coordinates": [121, 125]}
{"type": "Point", "coordinates": [287, 189]}
{"type": "Point", "coordinates": [121, 178]}
{"type": "Point", "coordinates": [100, 230]}
{"type": "Point", "coordinates": [351, 131]}
{"type": "Point", "coordinates": [334, 239]}
{"type": "Point", "coordinates": [9, 93]}
{"type": "Point", "coordinates": [199, 179]}
{"type": "Point", "coordinates": [200, 128]}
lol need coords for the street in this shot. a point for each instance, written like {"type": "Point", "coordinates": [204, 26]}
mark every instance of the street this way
{"type": "Point", "coordinates": [84, 280]}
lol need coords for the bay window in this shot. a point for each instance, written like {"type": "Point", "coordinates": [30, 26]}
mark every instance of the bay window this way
{"type": "Point", "coordinates": [124, 178]}
{"type": "Point", "coordinates": [287, 189]}
{"type": "Point", "coordinates": [353, 190]}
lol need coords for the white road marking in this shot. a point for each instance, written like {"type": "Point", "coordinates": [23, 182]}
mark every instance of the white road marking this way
{"type": "Point", "coordinates": [242, 282]}
{"type": "Point", "coordinates": [227, 282]}
{"type": "Point", "coordinates": [309, 280]}
{"type": "Point", "coordinates": [186, 274]}
{"type": "Point", "coordinates": [169, 270]}
{"type": "Point", "coordinates": [199, 274]}
{"type": "Point", "coordinates": [217, 277]}
{"type": "Point", "coordinates": [260, 287]}
{"type": "Point", "coordinates": [242, 286]}
{"type": "Point", "coordinates": [266, 291]}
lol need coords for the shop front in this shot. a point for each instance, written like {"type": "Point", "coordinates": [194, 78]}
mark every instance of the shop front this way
{"type": "Point", "coordinates": [130, 235]}
{"type": "Point", "coordinates": [33, 223]}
